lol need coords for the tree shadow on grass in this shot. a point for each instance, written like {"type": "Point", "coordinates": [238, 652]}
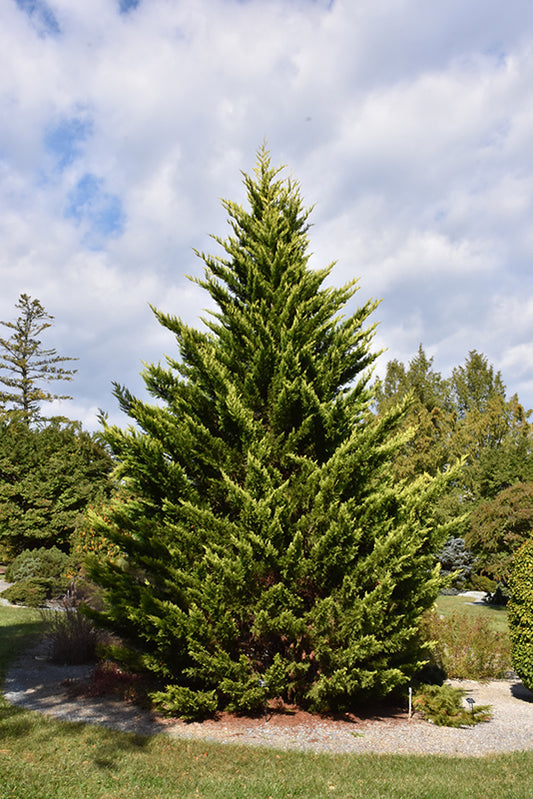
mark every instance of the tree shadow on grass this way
{"type": "Point", "coordinates": [101, 746]}
{"type": "Point", "coordinates": [14, 723]}
{"type": "Point", "coordinates": [30, 683]}
{"type": "Point", "coordinates": [14, 638]}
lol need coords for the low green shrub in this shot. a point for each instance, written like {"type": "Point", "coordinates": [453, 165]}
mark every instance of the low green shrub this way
{"type": "Point", "coordinates": [50, 563]}
{"type": "Point", "coordinates": [31, 592]}
{"type": "Point", "coordinates": [38, 574]}
{"type": "Point", "coordinates": [184, 703]}
{"type": "Point", "coordinates": [479, 582]}
{"type": "Point", "coordinates": [467, 648]}
{"type": "Point", "coordinates": [71, 637]}
{"type": "Point", "coordinates": [520, 609]}
{"type": "Point", "coordinates": [443, 706]}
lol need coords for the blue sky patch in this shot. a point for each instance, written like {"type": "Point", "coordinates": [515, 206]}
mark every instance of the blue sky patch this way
{"type": "Point", "coordinates": [41, 15]}
{"type": "Point", "coordinates": [65, 140]}
{"type": "Point", "coordinates": [127, 5]}
{"type": "Point", "coordinates": [95, 209]}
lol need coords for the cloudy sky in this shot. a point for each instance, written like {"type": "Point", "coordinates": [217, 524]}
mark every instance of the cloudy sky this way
{"type": "Point", "coordinates": [408, 123]}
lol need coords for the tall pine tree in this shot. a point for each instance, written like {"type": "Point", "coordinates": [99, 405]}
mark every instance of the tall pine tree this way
{"type": "Point", "coordinates": [28, 365]}
{"type": "Point", "coordinates": [265, 549]}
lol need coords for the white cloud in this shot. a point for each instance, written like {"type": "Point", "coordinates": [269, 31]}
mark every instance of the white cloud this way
{"type": "Point", "coordinates": [408, 124]}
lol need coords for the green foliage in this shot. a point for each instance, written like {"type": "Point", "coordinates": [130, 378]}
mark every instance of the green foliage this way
{"type": "Point", "coordinates": [27, 364]}
{"type": "Point", "coordinates": [48, 476]}
{"type": "Point", "coordinates": [427, 386]}
{"type": "Point", "coordinates": [31, 592]}
{"type": "Point", "coordinates": [499, 446]}
{"type": "Point", "coordinates": [520, 609]}
{"type": "Point", "coordinates": [71, 637]}
{"type": "Point", "coordinates": [499, 527]}
{"type": "Point", "coordinates": [88, 538]}
{"type": "Point", "coordinates": [467, 648]}
{"type": "Point", "coordinates": [40, 562]}
{"type": "Point", "coordinates": [474, 385]}
{"type": "Point", "coordinates": [456, 561]}
{"type": "Point", "coordinates": [180, 702]}
{"type": "Point", "coordinates": [467, 417]}
{"type": "Point", "coordinates": [38, 574]}
{"type": "Point", "coordinates": [261, 533]}
{"type": "Point", "coordinates": [429, 416]}
{"type": "Point", "coordinates": [443, 706]}
{"type": "Point", "coordinates": [481, 583]}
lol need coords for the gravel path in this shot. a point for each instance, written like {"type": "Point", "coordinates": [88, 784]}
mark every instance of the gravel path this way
{"type": "Point", "coordinates": [3, 586]}
{"type": "Point", "coordinates": [34, 683]}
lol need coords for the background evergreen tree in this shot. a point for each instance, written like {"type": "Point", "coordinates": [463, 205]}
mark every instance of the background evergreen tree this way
{"type": "Point", "coordinates": [429, 415]}
{"type": "Point", "coordinates": [262, 536]}
{"type": "Point", "coordinates": [474, 384]}
{"type": "Point", "coordinates": [48, 476]}
{"type": "Point", "coordinates": [467, 416]}
{"type": "Point", "coordinates": [27, 364]}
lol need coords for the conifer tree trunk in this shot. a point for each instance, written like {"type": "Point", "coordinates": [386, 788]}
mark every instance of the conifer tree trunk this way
{"type": "Point", "coordinates": [265, 549]}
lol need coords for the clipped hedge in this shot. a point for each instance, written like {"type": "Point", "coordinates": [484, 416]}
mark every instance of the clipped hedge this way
{"type": "Point", "coordinates": [520, 613]}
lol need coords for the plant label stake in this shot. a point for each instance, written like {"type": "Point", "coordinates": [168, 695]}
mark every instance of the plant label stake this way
{"type": "Point", "coordinates": [262, 684]}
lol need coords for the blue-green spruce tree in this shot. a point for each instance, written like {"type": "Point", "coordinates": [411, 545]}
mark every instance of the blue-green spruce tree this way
{"type": "Point", "coordinates": [264, 547]}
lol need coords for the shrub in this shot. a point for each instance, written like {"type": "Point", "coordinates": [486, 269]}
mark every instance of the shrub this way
{"type": "Point", "coordinates": [31, 592]}
{"type": "Point", "coordinates": [500, 595]}
{"type": "Point", "coordinates": [110, 678]}
{"type": "Point", "coordinates": [467, 648]}
{"type": "Point", "coordinates": [480, 582]}
{"type": "Point", "coordinates": [71, 637]}
{"type": "Point", "coordinates": [443, 706]}
{"type": "Point", "coordinates": [520, 608]}
{"type": "Point", "coordinates": [188, 705]}
{"type": "Point", "coordinates": [49, 563]}
{"type": "Point", "coordinates": [456, 562]}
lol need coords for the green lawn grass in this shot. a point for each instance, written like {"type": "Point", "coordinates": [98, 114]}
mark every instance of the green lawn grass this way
{"type": "Point", "coordinates": [17, 626]}
{"type": "Point", "coordinates": [45, 759]}
{"type": "Point", "coordinates": [496, 614]}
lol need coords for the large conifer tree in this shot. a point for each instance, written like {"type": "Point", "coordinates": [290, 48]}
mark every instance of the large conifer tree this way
{"type": "Point", "coordinates": [264, 545]}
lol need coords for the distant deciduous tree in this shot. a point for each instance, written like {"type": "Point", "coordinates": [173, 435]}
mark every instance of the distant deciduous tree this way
{"type": "Point", "coordinates": [28, 366]}
{"type": "Point", "coordinates": [499, 527]}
